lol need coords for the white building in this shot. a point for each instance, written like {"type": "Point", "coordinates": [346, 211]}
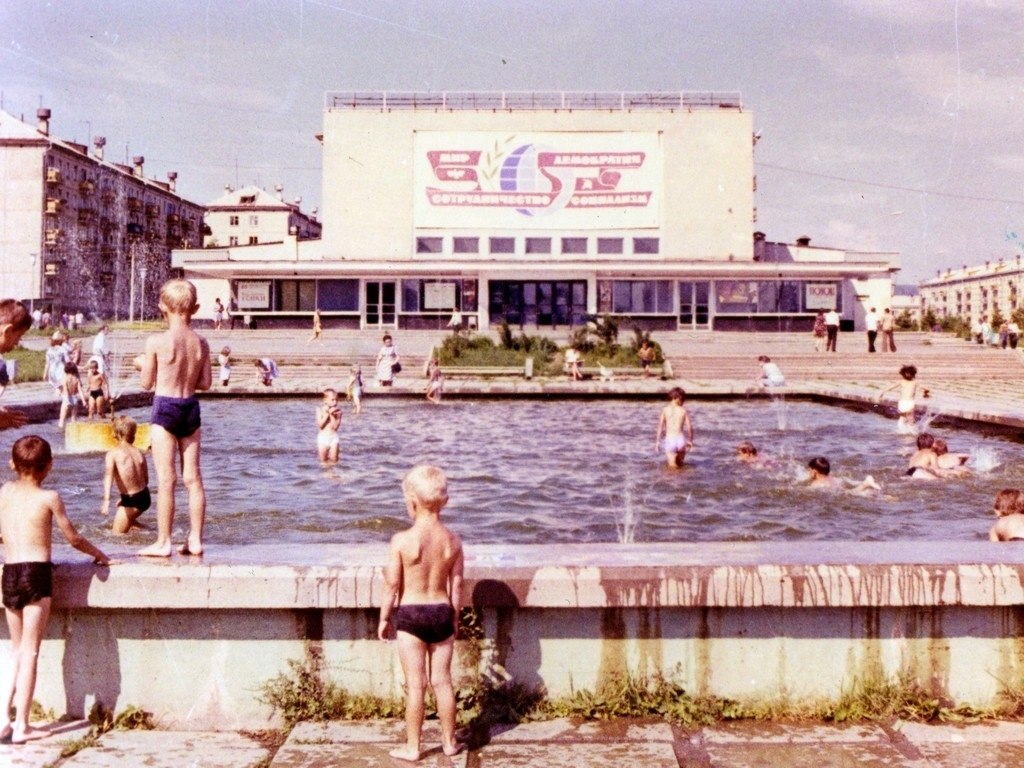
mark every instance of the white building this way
{"type": "Point", "coordinates": [972, 293]}
{"type": "Point", "coordinates": [540, 209]}
{"type": "Point", "coordinates": [78, 232]}
{"type": "Point", "coordinates": [250, 216]}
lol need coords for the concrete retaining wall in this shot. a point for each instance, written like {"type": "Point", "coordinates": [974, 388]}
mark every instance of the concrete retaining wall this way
{"type": "Point", "coordinates": [193, 640]}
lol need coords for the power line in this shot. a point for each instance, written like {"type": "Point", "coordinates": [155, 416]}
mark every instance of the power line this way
{"type": "Point", "coordinates": [919, 190]}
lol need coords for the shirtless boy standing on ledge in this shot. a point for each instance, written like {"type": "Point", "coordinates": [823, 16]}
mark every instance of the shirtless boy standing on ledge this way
{"type": "Point", "coordinates": [421, 606]}
{"type": "Point", "coordinates": [177, 364]}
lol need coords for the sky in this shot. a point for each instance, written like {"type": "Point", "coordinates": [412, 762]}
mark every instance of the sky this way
{"type": "Point", "coordinates": [890, 125]}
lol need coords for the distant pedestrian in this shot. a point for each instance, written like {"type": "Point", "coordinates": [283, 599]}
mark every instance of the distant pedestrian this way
{"type": "Point", "coordinates": [100, 350]}
{"type": "Point", "coordinates": [818, 331]}
{"type": "Point", "coordinates": [831, 330]}
{"type": "Point", "coordinates": [387, 362]}
{"type": "Point", "coordinates": [232, 312]}
{"type": "Point", "coordinates": [888, 326]}
{"type": "Point", "coordinates": [224, 362]}
{"type": "Point", "coordinates": [871, 327]}
{"type": "Point", "coordinates": [318, 327]}
{"type": "Point", "coordinates": [218, 314]}
{"type": "Point", "coordinates": [1014, 335]}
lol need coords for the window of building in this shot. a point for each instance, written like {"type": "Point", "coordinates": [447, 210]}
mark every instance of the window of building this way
{"type": "Point", "coordinates": [646, 245]}
{"type": "Point", "coordinates": [538, 245]}
{"type": "Point", "coordinates": [465, 244]}
{"type": "Point", "coordinates": [609, 245]}
{"type": "Point", "coordinates": [338, 295]}
{"type": "Point", "coordinates": [765, 296]}
{"type": "Point", "coordinates": [253, 240]}
{"type": "Point", "coordinates": [428, 244]}
{"type": "Point", "coordinates": [296, 295]}
{"type": "Point", "coordinates": [432, 295]}
{"type": "Point", "coordinates": [233, 221]}
{"type": "Point", "coordinates": [247, 199]}
{"type": "Point", "coordinates": [233, 240]}
{"type": "Point", "coordinates": [503, 245]}
{"type": "Point", "coordinates": [574, 245]}
{"type": "Point", "coordinates": [642, 296]}
{"type": "Point", "coordinates": [254, 221]}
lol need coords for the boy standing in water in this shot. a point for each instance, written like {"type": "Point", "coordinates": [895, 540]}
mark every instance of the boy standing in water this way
{"type": "Point", "coordinates": [423, 596]}
{"type": "Point", "coordinates": [27, 514]}
{"type": "Point", "coordinates": [127, 465]}
{"type": "Point", "coordinates": [908, 392]}
{"type": "Point", "coordinates": [328, 420]}
{"type": "Point", "coordinates": [176, 363]}
{"type": "Point", "coordinates": [675, 425]}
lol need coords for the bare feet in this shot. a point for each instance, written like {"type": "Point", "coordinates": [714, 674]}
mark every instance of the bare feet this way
{"type": "Point", "coordinates": [406, 753]}
{"type": "Point", "coordinates": [454, 749]}
{"type": "Point", "coordinates": [5, 733]}
{"type": "Point", "coordinates": [191, 548]}
{"type": "Point", "coordinates": [29, 734]}
{"type": "Point", "coordinates": [156, 550]}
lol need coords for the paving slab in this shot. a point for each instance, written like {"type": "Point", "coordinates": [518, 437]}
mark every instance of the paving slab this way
{"type": "Point", "coordinates": [996, 744]}
{"type": "Point", "coordinates": [579, 755]}
{"type": "Point", "coordinates": [170, 749]}
{"type": "Point", "coordinates": [36, 754]}
{"type": "Point", "coordinates": [361, 744]}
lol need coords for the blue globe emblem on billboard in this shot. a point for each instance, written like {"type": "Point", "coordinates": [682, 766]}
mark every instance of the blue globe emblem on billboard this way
{"type": "Point", "coordinates": [520, 172]}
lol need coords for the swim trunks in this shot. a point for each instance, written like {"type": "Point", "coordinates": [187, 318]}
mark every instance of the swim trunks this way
{"type": "Point", "coordinates": [25, 583]}
{"type": "Point", "coordinates": [95, 393]}
{"type": "Point", "coordinates": [915, 470]}
{"type": "Point", "coordinates": [327, 440]}
{"type": "Point", "coordinates": [140, 501]}
{"type": "Point", "coordinates": [675, 444]}
{"type": "Point", "coordinates": [178, 415]}
{"type": "Point", "coordinates": [431, 623]}
{"type": "Point", "coordinates": [905, 406]}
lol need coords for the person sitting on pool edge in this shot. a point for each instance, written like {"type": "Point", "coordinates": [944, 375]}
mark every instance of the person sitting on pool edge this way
{"type": "Point", "coordinates": [820, 476]}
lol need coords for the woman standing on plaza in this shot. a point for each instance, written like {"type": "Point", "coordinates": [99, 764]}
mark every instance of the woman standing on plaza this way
{"type": "Point", "coordinates": [819, 331]}
{"type": "Point", "coordinates": [387, 362]}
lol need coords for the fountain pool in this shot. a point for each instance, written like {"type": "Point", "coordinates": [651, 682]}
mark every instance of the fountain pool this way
{"type": "Point", "coordinates": [563, 471]}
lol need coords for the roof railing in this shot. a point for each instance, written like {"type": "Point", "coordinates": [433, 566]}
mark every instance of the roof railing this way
{"type": "Point", "coordinates": [604, 101]}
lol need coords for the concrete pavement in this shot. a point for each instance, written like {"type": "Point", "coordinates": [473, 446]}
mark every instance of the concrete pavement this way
{"type": "Point", "coordinates": [551, 744]}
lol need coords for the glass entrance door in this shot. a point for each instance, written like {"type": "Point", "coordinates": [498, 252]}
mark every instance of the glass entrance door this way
{"type": "Point", "coordinates": [379, 307]}
{"type": "Point", "coordinates": [695, 305]}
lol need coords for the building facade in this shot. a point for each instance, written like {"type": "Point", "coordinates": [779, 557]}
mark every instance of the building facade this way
{"type": "Point", "coordinates": [78, 232]}
{"type": "Point", "coordinates": [250, 216]}
{"type": "Point", "coordinates": [540, 210]}
{"type": "Point", "coordinates": [973, 293]}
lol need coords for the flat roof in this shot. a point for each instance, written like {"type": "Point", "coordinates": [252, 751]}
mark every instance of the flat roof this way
{"type": "Point", "coordinates": [604, 101]}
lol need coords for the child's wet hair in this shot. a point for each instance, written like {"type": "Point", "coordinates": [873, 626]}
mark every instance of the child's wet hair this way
{"type": "Point", "coordinates": [1008, 501]}
{"type": "Point", "coordinates": [15, 314]}
{"type": "Point", "coordinates": [179, 297]}
{"type": "Point", "coordinates": [676, 393]}
{"type": "Point", "coordinates": [925, 441]}
{"type": "Point", "coordinates": [31, 455]}
{"type": "Point", "coordinates": [820, 465]}
{"type": "Point", "coordinates": [124, 428]}
{"type": "Point", "coordinates": [747, 448]}
{"type": "Point", "coordinates": [908, 372]}
{"type": "Point", "coordinates": [427, 484]}
{"type": "Point", "coordinates": [226, 351]}
{"type": "Point", "coordinates": [71, 368]}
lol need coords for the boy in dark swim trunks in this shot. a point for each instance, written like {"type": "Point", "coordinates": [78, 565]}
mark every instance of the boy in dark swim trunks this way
{"type": "Point", "coordinates": [127, 465]}
{"type": "Point", "coordinates": [421, 606]}
{"type": "Point", "coordinates": [27, 514]}
{"type": "Point", "coordinates": [176, 363]}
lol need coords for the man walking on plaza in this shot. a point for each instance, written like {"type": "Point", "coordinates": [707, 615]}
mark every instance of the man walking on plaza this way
{"type": "Point", "coordinates": [888, 325]}
{"type": "Point", "coordinates": [871, 326]}
{"type": "Point", "coordinates": [831, 330]}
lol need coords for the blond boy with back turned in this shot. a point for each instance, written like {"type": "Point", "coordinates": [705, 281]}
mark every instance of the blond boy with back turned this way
{"type": "Point", "coordinates": [27, 514]}
{"type": "Point", "coordinates": [176, 363]}
{"type": "Point", "coordinates": [421, 606]}
{"type": "Point", "coordinates": [126, 465]}
{"type": "Point", "coordinates": [675, 424]}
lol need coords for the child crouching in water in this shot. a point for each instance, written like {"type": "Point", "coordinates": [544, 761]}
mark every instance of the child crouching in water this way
{"type": "Point", "coordinates": [819, 472]}
{"type": "Point", "coordinates": [126, 465]}
{"type": "Point", "coordinates": [421, 606]}
{"type": "Point", "coordinates": [1009, 508]}
{"type": "Point", "coordinates": [27, 514]}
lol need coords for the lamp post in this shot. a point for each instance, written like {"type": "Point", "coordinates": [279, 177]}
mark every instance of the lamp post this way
{"type": "Point", "coordinates": [32, 282]}
{"type": "Point", "coordinates": [142, 295]}
{"type": "Point", "coordinates": [131, 283]}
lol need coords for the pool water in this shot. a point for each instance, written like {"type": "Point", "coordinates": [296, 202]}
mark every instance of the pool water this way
{"type": "Point", "coordinates": [563, 471]}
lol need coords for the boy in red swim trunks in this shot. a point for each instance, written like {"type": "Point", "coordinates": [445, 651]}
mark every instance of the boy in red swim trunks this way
{"type": "Point", "coordinates": [27, 514]}
{"type": "Point", "coordinates": [176, 363]}
{"type": "Point", "coordinates": [421, 606]}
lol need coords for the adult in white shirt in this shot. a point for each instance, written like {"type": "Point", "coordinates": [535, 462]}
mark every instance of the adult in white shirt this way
{"type": "Point", "coordinates": [871, 326]}
{"type": "Point", "coordinates": [100, 350]}
{"type": "Point", "coordinates": [831, 330]}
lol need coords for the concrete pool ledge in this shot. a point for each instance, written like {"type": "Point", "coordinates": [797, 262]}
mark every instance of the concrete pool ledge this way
{"type": "Point", "coordinates": [194, 640]}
